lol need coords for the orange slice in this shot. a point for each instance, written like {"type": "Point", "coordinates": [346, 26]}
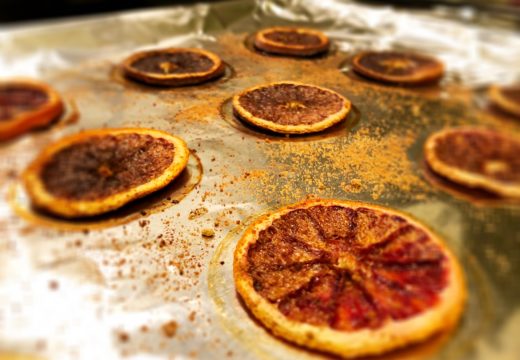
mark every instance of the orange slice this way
{"type": "Point", "coordinates": [476, 158]}
{"type": "Point", "coordinates": [293, 41]}
{"type": "Point", "coordinates": [173, 67]}
{"type": "Point", "coordinates": [348, 278]}
{"type": "Point", "coordinates": [507, 98]}
{"type": "Point", "coordinates": [291, 107]}
{"type": "Point", "coordinates": [25, 105]}
{"type": "Point", "coordinates": [97, 171]}
{"type": "Point", "coordinates": [398, 67]}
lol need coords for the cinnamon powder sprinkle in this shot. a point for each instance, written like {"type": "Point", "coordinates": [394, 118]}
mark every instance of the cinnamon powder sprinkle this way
{"type": "Point", "coordinates": [169, 329]}
{"type": "Point", "coordinates": [366, 161]}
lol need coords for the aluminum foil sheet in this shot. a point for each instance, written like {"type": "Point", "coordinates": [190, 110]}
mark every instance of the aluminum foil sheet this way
{"type": "Point", "coordinates": [145, 282]}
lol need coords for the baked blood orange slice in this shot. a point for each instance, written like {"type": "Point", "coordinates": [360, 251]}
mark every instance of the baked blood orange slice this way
{"type": "Point", "coordinates": [291, 107]}
{"type": "Point", "coordinates": [398, 67]}
{"type": "Point", "coordinates": [174, 66]}
{"type": "Point", "coordinates": [292, 41]}
{"type": "Point", "coordinates": [507, 98]}
{"type": "Point", "coordinates": [25, 105]}
{"type": "Point", "coordinates": [348, 278]}
{"type": "Point", "coordinates": [97, 171]}
{"type": "Point", "coordinates": [477, 158]}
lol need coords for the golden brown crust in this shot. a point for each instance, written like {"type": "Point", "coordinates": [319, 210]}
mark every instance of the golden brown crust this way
{"type": "Point", "coordinates": [392, 335]}
{"type": "Point", "coordinates": [497, 96]}
{"type": "Point", "coordinates": [263, 43]}
{"type": "Point", "coordinates": [35, 118]}
{"type": "Point", "coordinates": [420, 76]}
{"type": "Point", "coordinates": [327, 122]}
{"type": "Point", "coordinates": [466, 177]}
{"type": "Point", "coordinates": [174, 79]}
{"type": "Point", "coordinates": [71, 208]}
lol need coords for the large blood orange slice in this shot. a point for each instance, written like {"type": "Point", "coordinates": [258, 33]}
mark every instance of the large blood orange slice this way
{"type": "Point", "coordinates": [348, 278]}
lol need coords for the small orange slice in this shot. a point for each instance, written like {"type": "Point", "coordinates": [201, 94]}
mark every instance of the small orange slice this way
{"type": "Point", "coordinates": [291, 107]}
{"type": "Point", "coordinates": [294, 41]}
{"type": "Point", "coordinates": [476, 158]}
{"type": "Point", "coordinates": [97, 171]}
{"type": "Point", "coordinates": [25, 105]}
{"type": "Point", "coordinates": [348, 278]}
{"type": "Point", "coordinates": [507, 98]}
{"type": "Point", "coordinates": [173, 67]}
{"type": "Point", "coordinates": [398, 67]}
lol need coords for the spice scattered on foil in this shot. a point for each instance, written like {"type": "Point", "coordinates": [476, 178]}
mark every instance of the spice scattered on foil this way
{"type": "Point", "coordinates": [365, 161]}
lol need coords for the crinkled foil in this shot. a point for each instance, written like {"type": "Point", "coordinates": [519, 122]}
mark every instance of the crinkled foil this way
{"type": "Point", "coordinates": [154, 280]}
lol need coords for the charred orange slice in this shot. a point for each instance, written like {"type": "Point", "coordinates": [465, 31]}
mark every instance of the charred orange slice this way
{"type": "Point", "coordinates": [173, 67]}
{"type": "Point", "coordinates": [507, 98]}
{"type": "Point", "coordinates": [292, 41]}
{"type": "Point", "coordinates": [398, 67]}
{"type": "Point", "coordinates": [25, 105]}
{"type": "Point", "coordinates": [348, 278]}
{"type": "Point", "coordinates": [97, 171]}
{"type": "Point", "coordinates": [290, 107]}
{"type": "Point", "coordinates": [476, 158]}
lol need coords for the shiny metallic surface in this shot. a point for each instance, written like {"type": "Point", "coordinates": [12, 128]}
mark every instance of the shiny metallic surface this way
{"type": "Point", "coordinates": [157, 283]}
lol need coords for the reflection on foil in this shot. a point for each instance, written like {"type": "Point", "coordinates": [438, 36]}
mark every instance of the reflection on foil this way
{"type": "Point", "coordinates": [473, 54]}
